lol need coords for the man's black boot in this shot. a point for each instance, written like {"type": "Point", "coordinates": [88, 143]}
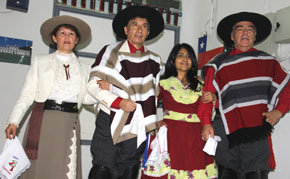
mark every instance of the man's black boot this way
{"type": "Point", "coordinates": [130, 172]}
{"type": "Point", "coordinates": [100, 172]}
{"type": "Point", "coordinates": [263, 174]}
{"type": "Point", "coordinates": [226, 173]}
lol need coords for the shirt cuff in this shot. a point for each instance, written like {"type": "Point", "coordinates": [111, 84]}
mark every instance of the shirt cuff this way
{"type": "Point", "coordinates": [282, 108]}
{"type": "Point", "coordinates": [205, 113]}
{"type": "Point", "coordinates": [116, 103]}
{"type": "Point", "coordinates": [206, 120]}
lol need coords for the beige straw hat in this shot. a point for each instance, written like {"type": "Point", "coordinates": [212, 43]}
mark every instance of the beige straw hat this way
{"type": "Point", "coordinates": [83, 28]}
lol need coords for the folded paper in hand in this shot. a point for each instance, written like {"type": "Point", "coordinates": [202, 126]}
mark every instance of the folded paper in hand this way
{"type": "Point", "coordinates": [13, 160]}
{"type": "Point", "coordinates": [211, 145]}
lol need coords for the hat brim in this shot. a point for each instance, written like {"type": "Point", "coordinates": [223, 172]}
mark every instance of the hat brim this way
{"type": "Point", "coordinates": [153, 17]}
{"type": "Point", "coordinates": [83, 28]}
{"type": "Point", "coordinates": [262, 23]}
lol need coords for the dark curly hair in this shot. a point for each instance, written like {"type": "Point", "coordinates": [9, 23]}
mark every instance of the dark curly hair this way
{"type": "Point", "coordinates": [170, 68]}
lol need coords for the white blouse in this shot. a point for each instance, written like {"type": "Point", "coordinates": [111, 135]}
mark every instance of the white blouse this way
{"type": "Point", "coordinates": [67, 81]}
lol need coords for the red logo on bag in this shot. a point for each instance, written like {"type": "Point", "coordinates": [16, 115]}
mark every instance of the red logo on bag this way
{"type": "Point", "coordinates": [12, 165]}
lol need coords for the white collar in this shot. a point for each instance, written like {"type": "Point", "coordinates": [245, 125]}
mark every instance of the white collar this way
{"type": "Point", "coordinates": [125, 47]}
{"type": "Point", "coordinates": [64, 57]}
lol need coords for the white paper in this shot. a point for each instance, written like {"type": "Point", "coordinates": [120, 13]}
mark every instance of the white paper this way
{"type": "Point", "coordinates": [211, 145]}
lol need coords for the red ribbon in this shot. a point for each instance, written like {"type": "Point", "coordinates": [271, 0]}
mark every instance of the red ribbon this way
{"type": "Point", "coordinates": [66, 68]}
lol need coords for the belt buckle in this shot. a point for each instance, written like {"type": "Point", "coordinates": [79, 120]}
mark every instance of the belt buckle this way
{"type": "Point", "coordinates": [57, 107]}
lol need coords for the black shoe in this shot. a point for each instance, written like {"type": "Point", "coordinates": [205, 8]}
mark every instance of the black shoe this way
{"type": "Point", "coordinates": [226, 173]}
{"type": "Point", "coordinates": [100, 172]}
{"type": "Point", "coordinates": [263, 174]}
{"type": "Point", "coordinates": [130, 172]}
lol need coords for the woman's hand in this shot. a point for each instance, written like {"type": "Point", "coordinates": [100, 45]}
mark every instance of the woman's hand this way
{"type": "Point", "coordinates": [208, 97]}
{"type": "Point", "coordinates": [11, 130]}
{"type": "Point", "coordinates": [207, 131]}
{"type": "Point", "coordinates": [103, 84]}
{"type": "Point", "coordinates": [161, 123]}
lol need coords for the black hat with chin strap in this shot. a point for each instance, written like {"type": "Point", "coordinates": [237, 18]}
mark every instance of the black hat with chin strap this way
{"type": "Point", "coordinates": [262, 23]}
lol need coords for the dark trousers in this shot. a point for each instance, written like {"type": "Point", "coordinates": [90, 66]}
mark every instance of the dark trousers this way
{"type": "Point", "coordinates": [118, 158]}
{"type": "Point", "coordinates": [243, 158]}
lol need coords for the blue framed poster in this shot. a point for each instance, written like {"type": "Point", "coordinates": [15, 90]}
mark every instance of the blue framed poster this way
{"type": "Point", "coordinates": [14, 50]}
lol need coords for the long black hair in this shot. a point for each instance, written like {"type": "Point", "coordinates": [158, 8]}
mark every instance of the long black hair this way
{"type": "Point", "coordinates": [170, 68]}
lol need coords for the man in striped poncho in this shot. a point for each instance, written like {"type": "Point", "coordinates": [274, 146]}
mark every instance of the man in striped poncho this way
{"type": "Point", "coordinates": [253, 94]}
{"type": "Point", "coordinates": [128, 108]}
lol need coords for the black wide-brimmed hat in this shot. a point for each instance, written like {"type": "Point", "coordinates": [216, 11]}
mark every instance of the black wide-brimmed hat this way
{"type": "Point", "coordinates": [49, 25]}
{"type": "Point", "coordinates": [262, 23]}
{"type": "Point", "coordinates": [153, 17]}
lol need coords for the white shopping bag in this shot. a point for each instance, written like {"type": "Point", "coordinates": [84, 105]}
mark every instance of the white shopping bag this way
{"type": "Point", "coordinates": [159, 149]}
{"type": "Point", "coordinates": [13, 160]}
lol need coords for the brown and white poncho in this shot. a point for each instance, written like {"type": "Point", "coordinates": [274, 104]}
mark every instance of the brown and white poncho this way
{"type": "Point", "coordinates": [133, 76]}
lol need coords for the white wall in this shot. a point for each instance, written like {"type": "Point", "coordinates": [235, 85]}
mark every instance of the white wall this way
{"type": "Point", "coordinates": [23, 26]}
{"type": "Point", "coordinates": [195, 13]}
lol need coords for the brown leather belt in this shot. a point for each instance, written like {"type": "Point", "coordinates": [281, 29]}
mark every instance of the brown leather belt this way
{"type": "Point", "coordinates": [64, 106]}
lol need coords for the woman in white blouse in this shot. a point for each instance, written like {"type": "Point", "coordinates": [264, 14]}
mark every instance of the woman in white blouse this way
{"type": "Point", "coordinates": [56, 86]}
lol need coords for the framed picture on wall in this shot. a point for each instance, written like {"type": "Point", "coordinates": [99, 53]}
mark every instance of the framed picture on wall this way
{"type": "Point", "coordinates": [14, 50]}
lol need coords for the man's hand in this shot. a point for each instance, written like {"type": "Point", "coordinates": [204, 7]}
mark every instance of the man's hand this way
{"type": "Point", "coordinates": [207, 131]}
{"type": "Point", "coordinates": [11, 130]}
{"type": "Point", "coordinates": [208, 97]}
{"type": "Point", "coordinates": [127, 105]}
{"type": "Point", "coordinates": [104, 85]}
{"type": "Point", "coordinates": [273, 117]}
